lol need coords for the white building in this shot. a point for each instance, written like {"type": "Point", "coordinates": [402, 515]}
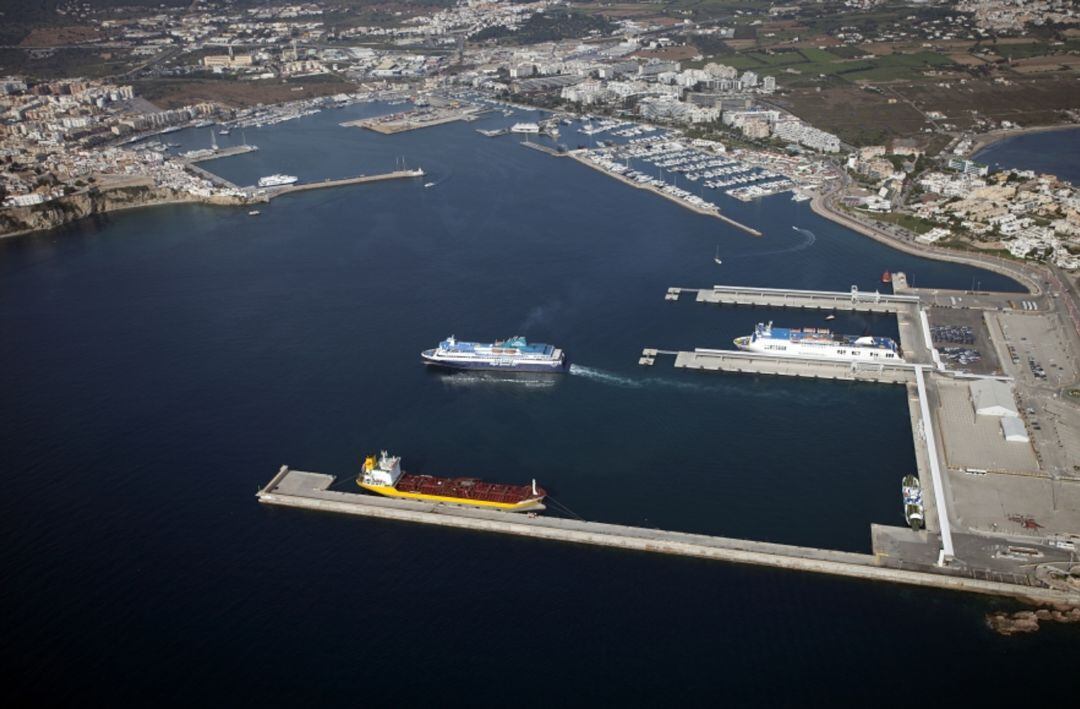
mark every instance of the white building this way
{"type": "Point", "coordinates": [989, 397]}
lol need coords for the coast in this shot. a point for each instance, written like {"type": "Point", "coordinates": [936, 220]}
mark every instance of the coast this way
{"type": "Point", "coordinates": [17, 221]}
{"type": "Point", "coordinates": [1028, 276]}
{"type": "Point", "coordinates": [985, 140]}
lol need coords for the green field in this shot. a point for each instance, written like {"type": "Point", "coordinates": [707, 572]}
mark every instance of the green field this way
{"type": "Point", "coordinates": [813, 62]}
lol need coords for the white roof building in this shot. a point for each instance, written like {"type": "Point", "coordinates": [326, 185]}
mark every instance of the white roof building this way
{"type": "Point", "coordinates": [990, 397]}
{"type": "Point", "coordinates": [1014, 430]}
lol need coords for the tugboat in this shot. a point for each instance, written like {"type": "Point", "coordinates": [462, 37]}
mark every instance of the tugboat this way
{"type": "Point", "coordinates": [913, 504]}
{"type": "Point", "coordinates": [384, 476]}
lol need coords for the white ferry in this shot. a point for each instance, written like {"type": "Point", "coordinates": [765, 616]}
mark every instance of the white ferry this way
{"type": "Point", "coordinates": [819, 343]}
{"type": "Point", "coordinates": [525, 128]}
{"type": "Point", "coordinates": [513, 354]}
{"type": "Point", "coordinates": [277, 180]}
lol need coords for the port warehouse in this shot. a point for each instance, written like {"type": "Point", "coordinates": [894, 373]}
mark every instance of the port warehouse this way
{"type": "Point", "coordinates": [928, 565]}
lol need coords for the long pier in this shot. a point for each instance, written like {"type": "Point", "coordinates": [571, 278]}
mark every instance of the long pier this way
{"type": "Point", "coordinates": [854, 300]}
{"type": "Point", "coordinates": [224, 153]}
{"type": "Point", "coordinates": [735, 361]}
{"type": "Point", "coordinates": [575, 154]}
{"type": "Point", "coordinates": [272, 192]}
{"type": "Point", "coordinates": [306, 490]}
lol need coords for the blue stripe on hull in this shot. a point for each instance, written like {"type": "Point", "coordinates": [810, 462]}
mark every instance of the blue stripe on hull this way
{"type": "Point", "coordinates": [485, 366]}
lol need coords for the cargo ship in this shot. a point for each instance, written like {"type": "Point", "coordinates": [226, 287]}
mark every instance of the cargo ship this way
{"type": "Point", "coordinates": [384, 476]}
{"type": "Point", "coordinates": [913, 505]}
{"type": "Point", "coordinates": [512, 355]}
{"type": "Point", "coordinates": [819, 343]}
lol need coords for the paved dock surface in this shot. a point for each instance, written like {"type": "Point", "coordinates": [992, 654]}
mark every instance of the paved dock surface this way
{"type": "Point", "coordinates": [814, 300]}
{"type": "Point", "coordinates": [307, 490]}
{"type": "Point", "coordinates": [272, 192]}
{"type": "Point", "coordinates": [225, 153]}
{"type": "Point", "coordinates": [736, 361]}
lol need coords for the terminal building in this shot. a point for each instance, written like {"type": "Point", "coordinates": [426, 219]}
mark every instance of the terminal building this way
{"type": "Point", "coordinates": [990, 397]}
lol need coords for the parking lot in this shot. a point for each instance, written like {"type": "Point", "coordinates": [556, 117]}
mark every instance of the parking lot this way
{"type": "Point", "coordinates": [962, 339]}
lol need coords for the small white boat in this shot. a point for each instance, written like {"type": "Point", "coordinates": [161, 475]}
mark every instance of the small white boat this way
{"type": "Point", "coordinates": [254, 213]}
{"type": "Point", "coordinates": [717, 256]}
{"type": "Point", "coordinates": [429, 184]}
{"type": "Point", "coordinates": [830, 317]}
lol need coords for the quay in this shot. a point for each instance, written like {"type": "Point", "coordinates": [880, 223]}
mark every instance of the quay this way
{"type": "Point", "coordinates": [416, 119]}
{"type": "Point", "coordinates": [271, 192]}
{"type": "Point", "coordinates": [855, 300]}
{"type": "Point", "coordinates": [216, 180]}
{"type": "Point", "coordinates": [311, 491]}
{"type": "Point", "coordinates": [223, 153]}
{"type": "Point", "coordinates": [544, 149]}
{"type": "Point", "coordinates": [739, 362]}
{"type": "Point", "coordinates": [576, 155]}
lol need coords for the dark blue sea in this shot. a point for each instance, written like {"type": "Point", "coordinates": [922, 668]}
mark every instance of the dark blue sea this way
{"type": "Point", "coordinates": [158, 365]}
{"type": "Point", "coordinates": [1055, 152]}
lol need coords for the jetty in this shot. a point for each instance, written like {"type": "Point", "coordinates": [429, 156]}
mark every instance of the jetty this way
{"type": "Point", "coordinates": [711, 212]}
{"type": "Point", "coordinates": [271, 192]}
{"type": "Point", "coordinates": [739, 362]}
{"type": "Point", "coordinates": [312, 491]}
{"type": "Point", "coordinates": [853, 300]}
{"type": "Point", "coordinates": [416, 119]}
{"type": "Point", "coordinates": [222, 153]}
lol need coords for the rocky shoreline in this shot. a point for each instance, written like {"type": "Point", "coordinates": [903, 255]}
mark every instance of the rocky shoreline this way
{"type": "Point", "coordinates": [1005, 623]}
{"type": "Point", "coordinates": [16, 221]}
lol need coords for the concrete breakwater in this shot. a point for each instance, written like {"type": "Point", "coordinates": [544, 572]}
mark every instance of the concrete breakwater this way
{"type": "Point", "coordinates": [305, 490]}
{"type": "Point", "coordinates": [576, 155]}
{"type": "Point", "coordinates": [272, 192]}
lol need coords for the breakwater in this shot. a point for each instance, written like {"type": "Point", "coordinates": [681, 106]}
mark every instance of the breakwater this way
{"type": "Point", "coordinates": [306, 490]}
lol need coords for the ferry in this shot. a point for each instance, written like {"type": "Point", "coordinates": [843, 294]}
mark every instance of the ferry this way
{"type": "Point", "coordinates": [525, 128]}
{"type": "Point", "coordinates": [819, 343]}
{"type": "Point", "coordinates": [384, 476]}
{"type": "Point", "coordinates": [277, 180]}
{"type": "Point", "coordinates": [913, 504]}
{"type": "Point", "coordinates": [514, 354]}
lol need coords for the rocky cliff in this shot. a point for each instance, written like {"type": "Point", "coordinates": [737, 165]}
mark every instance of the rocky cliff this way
{"type": "Point", "coordinates": [18, 220]}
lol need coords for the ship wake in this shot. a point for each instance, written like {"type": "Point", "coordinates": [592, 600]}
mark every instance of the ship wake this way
{"type": "Point", "coordinates": [809, 238]}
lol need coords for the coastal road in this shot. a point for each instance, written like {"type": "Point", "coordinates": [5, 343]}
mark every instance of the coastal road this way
{"type": "Point", "coordinates": [824, 204]}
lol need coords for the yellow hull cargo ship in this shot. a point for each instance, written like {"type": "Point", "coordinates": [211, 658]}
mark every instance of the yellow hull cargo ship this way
{"type": "Point", "coordinates": [385, 477]}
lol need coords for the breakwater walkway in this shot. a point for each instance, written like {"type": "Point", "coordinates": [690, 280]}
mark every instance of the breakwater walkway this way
{"type": "Point", "coordinates": [306, 490]}
{"type": "Point", "coordinates": [855, 300]}
{"type": "Point", "coordinates": [711, 212]}
{"type": "Point", "coordinates": [272, 192]}
{"type": "Point", "coordinates": [738, 362]}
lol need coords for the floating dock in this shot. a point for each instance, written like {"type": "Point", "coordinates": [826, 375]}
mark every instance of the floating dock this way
{"type": "Point", "coordinates": [306, 490]}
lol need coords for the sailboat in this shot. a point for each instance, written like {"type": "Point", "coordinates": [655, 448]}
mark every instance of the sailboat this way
{"type": "Point", "coordinates": [717, 256]}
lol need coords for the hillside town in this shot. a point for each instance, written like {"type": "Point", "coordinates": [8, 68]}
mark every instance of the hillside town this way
{"type": "Point", "coordinates": [65, 136]}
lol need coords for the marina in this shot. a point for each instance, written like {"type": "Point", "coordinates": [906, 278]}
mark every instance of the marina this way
{"type": "Point", "coordinates": [679, 196]}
